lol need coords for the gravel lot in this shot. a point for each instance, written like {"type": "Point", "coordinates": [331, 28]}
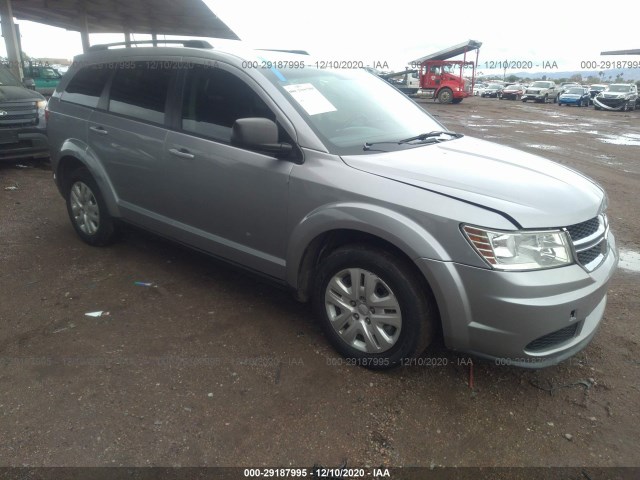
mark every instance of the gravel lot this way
{"type": "Point", "coordinates": [210, 366]}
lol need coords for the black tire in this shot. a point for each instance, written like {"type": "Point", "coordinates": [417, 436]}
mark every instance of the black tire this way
{"type": "Point", "coordinates": [82, 189]}
{"type": "Point", "coordinates": [445, 95]}
{"type": "Point", "coordinates": [545, 99]}
{"type": "Point", "coordinates": [396, 283]}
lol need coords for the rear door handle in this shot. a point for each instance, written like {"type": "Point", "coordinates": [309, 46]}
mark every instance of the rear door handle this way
{"type": "Point", "coordinates": [182, 153]}
{"type": "Point", "coordinates": [99, 130]}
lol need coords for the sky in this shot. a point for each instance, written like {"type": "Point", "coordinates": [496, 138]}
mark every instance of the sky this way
{"type": "Point", "coordinates": [533, 32]}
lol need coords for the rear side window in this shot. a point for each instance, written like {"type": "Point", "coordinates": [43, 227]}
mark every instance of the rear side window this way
{"type": "Point", "coordinates": [140, 91]}
{"type": "Point", "coordinates": [86, 86]}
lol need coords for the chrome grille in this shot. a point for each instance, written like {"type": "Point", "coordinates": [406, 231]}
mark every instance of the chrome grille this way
{"type": "Point", "coordinates": [18, 114]}
{"type": "Point", "coordinates": [590, 241]}
{"type": "Point", "coordinates": [584, 229]}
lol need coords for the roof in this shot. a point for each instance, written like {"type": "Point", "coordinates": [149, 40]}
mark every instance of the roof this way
{"type": "Point", "coordinates": [450, 52]}
{"type": "Point", "coordinates": [622, 52]}
{"type": "Point", "coordinates": [169, 17]}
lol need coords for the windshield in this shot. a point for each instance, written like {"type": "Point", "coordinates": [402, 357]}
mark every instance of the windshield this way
{"type": "Point", "coordinates": [541, 84]}
{"type": "Point", "coordinates": [514, 87]}
{"type": "Point", "coordinates": [619, 88]}
{"type": "Point", "coordinates": [577, 90]}
{"type": "Point", "coordinates": [348, 108]}
{"type": "Point", "coordinates": [598, 88]}
{"type": "Point", "coordinates": [7, 78]}
{"type": "Point", "coordinates": [494, 86]}
{"type": "Point", "coordinates": [50, 73]}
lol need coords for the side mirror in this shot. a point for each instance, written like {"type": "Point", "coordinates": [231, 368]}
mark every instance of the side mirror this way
{"type": "Point", "coordinates": [29, 83]}
{"type": "Point", "coordinates": [260, 134]}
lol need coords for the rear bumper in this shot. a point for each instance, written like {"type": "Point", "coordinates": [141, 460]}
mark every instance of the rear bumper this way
{"type": "Point", "coordinates": [529, 319]}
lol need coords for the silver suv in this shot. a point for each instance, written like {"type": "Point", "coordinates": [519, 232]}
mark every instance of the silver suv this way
{"type": "Point", "coordinates": [335, 184]}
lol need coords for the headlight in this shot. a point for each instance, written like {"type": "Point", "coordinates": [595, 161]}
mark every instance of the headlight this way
{"type": "Point", "coordinates": [520, 250]}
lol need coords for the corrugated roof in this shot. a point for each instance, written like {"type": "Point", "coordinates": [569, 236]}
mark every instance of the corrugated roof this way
{"type": "Point", "coordinates": [168, 17]}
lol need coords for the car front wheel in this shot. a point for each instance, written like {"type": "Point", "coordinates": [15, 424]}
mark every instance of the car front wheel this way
{"type": "Point", "coordinates": [374, 309]}
{"type": "Point", "coordinates": [87, 210]}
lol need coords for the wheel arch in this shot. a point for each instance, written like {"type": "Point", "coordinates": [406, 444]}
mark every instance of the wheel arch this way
{"type": "Point", "coordinates": [74, 155]}
{"type": "Point", "coordinates": [312, 241]}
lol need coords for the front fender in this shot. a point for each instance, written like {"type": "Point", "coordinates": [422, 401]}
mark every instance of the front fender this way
{"type": "Point", "coordinates": [80, 151]}
{"type": "Point", "coordinates": [401, 231]}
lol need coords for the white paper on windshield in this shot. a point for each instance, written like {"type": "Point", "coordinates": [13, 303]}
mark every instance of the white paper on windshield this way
{"type": "Point", "coordinates": [310, 98]}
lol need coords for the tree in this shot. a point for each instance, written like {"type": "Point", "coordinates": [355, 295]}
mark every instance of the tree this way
{"type": "Point", "coordinates": [576, 78]}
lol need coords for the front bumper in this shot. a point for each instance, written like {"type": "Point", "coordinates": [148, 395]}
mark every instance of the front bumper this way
{"type": "Point", "coordinates": [528, 319]}
{"type": "Point", "coordinates": [533, 96]}
{"type": "Point", "coordinates": [610, 103]}
{"type": "Point", "coordinates": [570, 101]}
{"type": "Point", "coordinates": [25, 143]}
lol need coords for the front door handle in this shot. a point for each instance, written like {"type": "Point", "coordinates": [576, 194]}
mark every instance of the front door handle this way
{"type": "Point", "coordinates": [99, 130]}
{"type": "Point", "coordinates": [182, 153]}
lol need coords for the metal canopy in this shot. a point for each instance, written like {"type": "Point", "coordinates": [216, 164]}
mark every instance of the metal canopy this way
{"type": "Point", "coordinates": [168, 17]}
{"type": "Point", "coordinates": [450, 52]}
{"type": "Point", "coordinates": [622, 52]}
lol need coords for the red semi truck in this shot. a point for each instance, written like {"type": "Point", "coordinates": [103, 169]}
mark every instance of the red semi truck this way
{"type": "Point", "coordinates": [444, 80]}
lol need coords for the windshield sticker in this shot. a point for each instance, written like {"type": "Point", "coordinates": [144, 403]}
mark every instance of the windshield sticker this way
{"type": "Point", "coordinates": [310, 98]}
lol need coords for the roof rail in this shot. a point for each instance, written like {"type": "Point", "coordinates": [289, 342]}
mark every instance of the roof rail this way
{"type": "Point", "coordinates": [184, 43]}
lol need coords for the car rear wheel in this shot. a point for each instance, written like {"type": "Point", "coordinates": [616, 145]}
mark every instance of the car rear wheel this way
{"type": "Point", "coordinates": [87, 210]}
{"type": "Point", "coordinates": [373, 307]}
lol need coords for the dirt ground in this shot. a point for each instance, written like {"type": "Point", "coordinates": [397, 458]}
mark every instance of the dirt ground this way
{"type": "Point", "coordinates": [210, 366]}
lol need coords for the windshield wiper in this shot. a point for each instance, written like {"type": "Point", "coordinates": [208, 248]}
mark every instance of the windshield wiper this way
{"type": "Point", "coordinates": [425, 136]}
{"type": "Point", "coordinates": [429, 136]}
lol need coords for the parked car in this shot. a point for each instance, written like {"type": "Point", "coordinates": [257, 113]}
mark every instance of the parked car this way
{"type": "Point", "coordinates": [578, 96]}
{"type": "Point", "coordinates": [46, 78]}
{"type": "Point", "coordinates": [22, 120]}
{"type": "Point", "coordinates": [617, 96]}
{"type": "Point", "coordinates": [335, 184]}
{"type": "Point", "coordinates": [478, 88]}
{"type": "Point", "coordinates": [493, 90]}
{"type": "Point", "coordinates": [541, 91]}
{"type": "Point", "coordinates": [595, 90]}
{"type": "Point", "coordinates": [513, 92]}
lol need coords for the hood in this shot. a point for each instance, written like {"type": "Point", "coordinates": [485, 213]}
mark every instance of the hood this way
{"type": "Point", "coordinates": [535, 192]}
{"type": "Point", "coordinates": [18, 94]}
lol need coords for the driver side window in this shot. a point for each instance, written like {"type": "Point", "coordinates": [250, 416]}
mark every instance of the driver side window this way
{"type": "Point", "coordinates": [213, 99]}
